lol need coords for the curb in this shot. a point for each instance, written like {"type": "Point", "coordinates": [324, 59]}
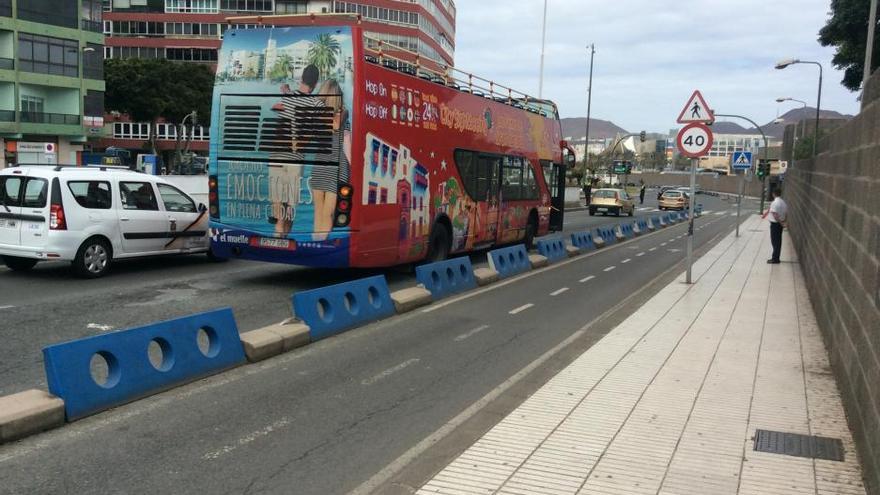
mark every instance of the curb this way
{"type": "Point", "coordinates": [29, 412]}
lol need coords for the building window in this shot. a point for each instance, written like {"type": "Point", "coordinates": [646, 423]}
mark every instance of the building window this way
{"type": "Point", "coordinates": [31, 104]}
{"type": "Point", "coordinates": [138, 28]}
{"type": "Point", "coordinates": [291, 6]}
{"type": "Point", "coordinates": [91, 13]}
{"type": "Point", "coordinates": [131, 130]}
{"type": "Point", "coordinates": [191, 29]}
{"type": "Point", "coordinates": [93, 103]}
{"type": "Point", "coordinates": [246, 5]}
{"type": "Point", "coordinates": [191, 6]}
{"type": "Point", "coordinates": [6, 8]}
{"type": "Point", "coordinates": [64, 14]}
{"type": "Point", "coordinates": [191, 54]}
{"type": "Point", "coordinates": [93, 63]}
{"type": "Point", "coordinates": [46, 55]}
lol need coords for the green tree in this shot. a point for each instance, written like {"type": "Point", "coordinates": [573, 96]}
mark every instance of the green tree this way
{"type": "Point", "coordinates": [147, 89]}
{"type": "Point", "coordinates": [847, 30]}
{"type": "Point", "coordinates": [323, 54]}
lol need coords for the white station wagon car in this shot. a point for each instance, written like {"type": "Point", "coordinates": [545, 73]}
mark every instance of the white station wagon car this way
{"type": "Point", "coordinates": [91, 216]}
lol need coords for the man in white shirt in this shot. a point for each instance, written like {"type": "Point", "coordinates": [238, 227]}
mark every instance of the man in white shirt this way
{"type": "Point", "coordinates": [777, 214]}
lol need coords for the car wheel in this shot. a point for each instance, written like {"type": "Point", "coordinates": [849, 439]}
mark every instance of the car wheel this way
{"type": "Point", "coordinates": [93, 259]}
{"type": "Point", "coordinates": [592, 212]}
{"type": "Point", "coordinates": [19, 264]}
{"type": "Point", "coordinates": [617, 212]}
{"type": "Point", "coordinates": [213, 257]}
{"type": "Point", "coordinates": [438, 243]}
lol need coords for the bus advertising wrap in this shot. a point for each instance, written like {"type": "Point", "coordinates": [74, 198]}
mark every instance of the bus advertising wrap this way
{"type": "Point", "coordinates": [281, 140]}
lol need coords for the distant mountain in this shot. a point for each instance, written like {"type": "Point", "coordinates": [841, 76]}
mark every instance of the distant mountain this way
{"type": "Point", "coordinates": [794, 116]}
{"type": "Point", "coordinates": [576, 128]}
{"type": "Point", "coordinates": [724, 127]}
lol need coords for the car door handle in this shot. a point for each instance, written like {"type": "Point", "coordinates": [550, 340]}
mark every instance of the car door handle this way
{"type": "Point", "coordinates": [123, 219]}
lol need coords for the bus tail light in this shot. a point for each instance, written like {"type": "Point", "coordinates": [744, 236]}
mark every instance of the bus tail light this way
{"type": "Point", "coordinates": [57, 220]}
{"type": "Point", "coordinates": [213, 203]}
{"type": "Point", "coordinates": [343, 205]}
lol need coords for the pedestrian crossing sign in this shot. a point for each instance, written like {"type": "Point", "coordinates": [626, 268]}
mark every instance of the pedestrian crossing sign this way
{"type": "Point", "coordinates": [742, 160]}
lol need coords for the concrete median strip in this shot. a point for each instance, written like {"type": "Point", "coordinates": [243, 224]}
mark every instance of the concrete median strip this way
{"type": "Point", "coordinates": [572, 251]}
{"type": "Point", "coordinates": [538, 261]}
{"type": "Point", "coordinates": [406, 300]}
{"type": "Point", "coordinates": [273, 340]}
{"type": "Point", "coordinates": [29, 412]}
{"type": "Point", "coordinates": [485, 276]}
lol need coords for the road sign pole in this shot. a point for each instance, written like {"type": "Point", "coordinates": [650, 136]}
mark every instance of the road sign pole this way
{"type": "Point", "coordinates": [739, 200]}
{"type": "Point", "coordinates": [693, 199]}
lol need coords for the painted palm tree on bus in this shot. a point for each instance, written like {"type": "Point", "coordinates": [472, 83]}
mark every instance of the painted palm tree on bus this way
{"type": "Point", "coordinates": [282, 67]}
{"type": "Point", "coordinates": [323, 54]}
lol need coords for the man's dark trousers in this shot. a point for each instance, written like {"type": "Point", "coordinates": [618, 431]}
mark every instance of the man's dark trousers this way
{"type": "Point", "coordinates": [776, 239]}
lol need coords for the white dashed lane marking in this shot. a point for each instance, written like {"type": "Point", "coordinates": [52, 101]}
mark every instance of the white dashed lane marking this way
{"type": "Point", "coordinates": [641, 254]}
{"type": "Point", "coordinates": [389, 371]}
{"type": "Point", "coordinates": [521, 308]}
{"type": "Point", "coordinates": [626, 260]}
{"type": "Point", "coordinates": [471, 333]}
{"type": "Point", "coordinates": [560, 291]}
{"type": "Point", "coordinates": [587, 279]}
{"type": "Point", "coordinates": [609, 268]}
{"type": "Point", "coordinates": [652, 249]}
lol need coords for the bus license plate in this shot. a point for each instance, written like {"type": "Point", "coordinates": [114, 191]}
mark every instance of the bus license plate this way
{"type": "Point", "coordinates": [274, 243]}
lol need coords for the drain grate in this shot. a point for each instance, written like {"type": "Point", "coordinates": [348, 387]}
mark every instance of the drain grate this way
{"type": "Point", "coordinates": [795, 444]}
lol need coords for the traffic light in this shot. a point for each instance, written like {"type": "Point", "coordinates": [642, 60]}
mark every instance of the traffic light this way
{"type": "Point", "coordinates": [763, 169]}
{"type": "Point", "coordinates": [642, 136]}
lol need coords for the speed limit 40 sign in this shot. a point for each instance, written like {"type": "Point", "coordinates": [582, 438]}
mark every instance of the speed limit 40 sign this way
{"type": "Point", "coordinates": [695, 140]}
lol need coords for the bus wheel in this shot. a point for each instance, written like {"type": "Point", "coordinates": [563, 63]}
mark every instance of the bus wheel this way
{"type": "Point", "coordinates": [438, 243]}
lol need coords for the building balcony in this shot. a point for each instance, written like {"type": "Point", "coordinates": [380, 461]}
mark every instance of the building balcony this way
{"type": "Point", "coordinates": [49, 118]}
{"type": "Point", "coordinates": [7, 115]}
{"type": "Point", "coordinates": [7, 63]}
{"type": "Point", "coordinates": [92, 26]}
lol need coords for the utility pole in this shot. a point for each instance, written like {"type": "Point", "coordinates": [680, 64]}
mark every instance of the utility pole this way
{"type": "Point", "coordinates": [589, 101]}
{"type": "Point", "coordinates": [543, 41]}
{"type": "Point", "coordinates": [869, 49]}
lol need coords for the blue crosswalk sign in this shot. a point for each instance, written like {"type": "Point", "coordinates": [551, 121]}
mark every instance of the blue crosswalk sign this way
{"type": "Point", "coordinates": [742, 160]}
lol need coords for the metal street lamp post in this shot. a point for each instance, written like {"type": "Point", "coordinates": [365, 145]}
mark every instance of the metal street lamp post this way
{"type": "Point", "coordinates": [543, 41]}
{"type": "Point", "coordinates": [785, 63]}
{"type": "Point", "coordinates": [589, 101]}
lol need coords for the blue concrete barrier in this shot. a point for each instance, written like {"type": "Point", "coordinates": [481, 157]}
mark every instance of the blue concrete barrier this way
{"type": "Point", "coordinates": [130, 374]}
{"type": "Point", "coordinates": [627, 230]}
{"type": "Point", "coordinates": [698, 210]}
{"type": "Point", "coordinates": [445, 278]}
{"type": "Point", "coordinates": [336, 308]}
{"type": "Point", "coordinates": [643, 225]}
{"type": "Point", "coordinates": [607, 234]}
{"type": "Point", "coordinates": [509, 261]}
{"type": "Point", "coordinates": [582, 241]}
{"type": "Point", "coordinates": [552, 249]}
{"type": "Point", "coordinates": [656, 222]}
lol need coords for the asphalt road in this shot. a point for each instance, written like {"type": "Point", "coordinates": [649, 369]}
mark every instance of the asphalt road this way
{"type": "Point", "coordinates": [49, 305]}
{"type": "Point", "coordinates": [327, 417]}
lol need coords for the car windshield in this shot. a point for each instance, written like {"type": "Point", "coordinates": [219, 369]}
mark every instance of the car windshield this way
{"type": "Point", "coordinates": [672, 194]}
{"type": "Point", "coordinates": [605, 193]}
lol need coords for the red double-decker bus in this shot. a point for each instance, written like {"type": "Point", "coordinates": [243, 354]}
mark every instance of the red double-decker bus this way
{"type": "Point", "coordinates": [331, 149]}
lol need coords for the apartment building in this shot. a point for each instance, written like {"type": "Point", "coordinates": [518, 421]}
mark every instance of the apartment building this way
{"type": "Point", "coordinates": [51, 79]}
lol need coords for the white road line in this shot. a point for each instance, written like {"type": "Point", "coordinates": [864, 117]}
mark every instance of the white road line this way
{"type": "Point", "coordinates": [653, 249]}
{"type": "Point", "coordinates": [389, 371]}
{"type": "Point", "coordinates": [521, 308]}
{"type": "Point", "coordinates": [663, 243]}
{"type": "Point", "coordinates": [250, 437]}
{"type": "Point", "coordinates": [96, 326]}
{"type": "Point", "coordinates": [6, 307]}
{"type": "Point", "coordinates": [471, 333]}
{"type": "Point", "coordinates": [640, 254]}
{"type": "Point", "coordinates": [587, 279]}
{"type": "Point", "coordinates": [560, 291]}
{"type": "Point", "coordinates": [626, 260]}
{"type": "Point", "coordinates": [612, 267]}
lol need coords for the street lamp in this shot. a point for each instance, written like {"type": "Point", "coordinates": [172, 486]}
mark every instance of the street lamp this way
{"type": "Point", "coordinates": [791, 61]}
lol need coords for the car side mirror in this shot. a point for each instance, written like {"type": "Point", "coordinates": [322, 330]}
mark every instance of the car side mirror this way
{"type": "Point", "coordinates": [202, 208]}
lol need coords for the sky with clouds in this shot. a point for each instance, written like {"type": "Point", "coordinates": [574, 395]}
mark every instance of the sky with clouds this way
{"type": "Point", "coordinates": [652, 54]}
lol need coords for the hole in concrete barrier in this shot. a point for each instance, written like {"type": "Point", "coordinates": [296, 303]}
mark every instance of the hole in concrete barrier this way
{"type": "Point", "coordinates": [373, 296]}
{"type": "Point", "coordinates": [435, 278]}
{"type": "Point", "coordinates": [450, 275]}
{"type": "Point", "coordinates": [501, 262]}
{"type": "Point", "coordinates": [323, 308]}
{"type": "Point", "coordinates": [522, 256]}
{"type": "Point", "coordinates": [511, 258]}
{"type": "Point", "coordinates": [104, 369]}
{"type": "Point", "coordinates": [464, 272]}
{"type": "Point", "coordinates": [208, 342]}
{"type": "Point", "coordinates": [160, 355]}
{"type": "Point", "coordinates": [350, 303]}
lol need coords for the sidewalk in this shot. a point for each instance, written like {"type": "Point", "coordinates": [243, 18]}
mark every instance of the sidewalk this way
{"type": "Point", "coordinates": [670, 400]}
